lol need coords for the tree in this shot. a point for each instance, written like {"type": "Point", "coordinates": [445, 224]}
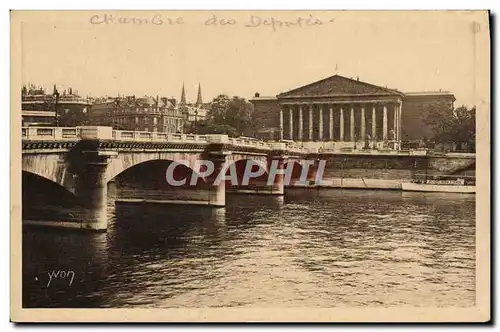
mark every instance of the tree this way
{"type": "Point", "coordinates": [218, 110]}
{"type": "Point", "coordinates": [239, 116]}
{"type": "Point", "coordinates": [452, 126]}
{"type": "Point", "coordinates": [465, 125]}
{"type": "Point", "coordinates": [228, 116]}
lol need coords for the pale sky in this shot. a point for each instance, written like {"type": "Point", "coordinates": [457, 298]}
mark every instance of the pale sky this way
{"type": "Point", "coordinates": [407, 51]}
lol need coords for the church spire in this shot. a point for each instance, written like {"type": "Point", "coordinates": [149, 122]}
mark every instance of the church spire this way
{"type": "Point", "coordinates": [199, 101]}
{"type": "Point", "coordinates": [183, 95]}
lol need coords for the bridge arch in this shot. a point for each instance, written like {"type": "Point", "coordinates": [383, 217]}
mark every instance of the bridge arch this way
{"type": "Point", "coordinates": [153, 175]}
{"type": "Point", "coordinates": [50, 167]}
{"type": "Point", "coordinates": [45, 199]}
{"type": "Point", "coordinates": [126, 161]}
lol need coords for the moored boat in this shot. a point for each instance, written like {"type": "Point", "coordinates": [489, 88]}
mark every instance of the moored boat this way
{"type": "Point", "coordinates": [449, 188]}
{"type": "Point", "coordinates": [450, 184]}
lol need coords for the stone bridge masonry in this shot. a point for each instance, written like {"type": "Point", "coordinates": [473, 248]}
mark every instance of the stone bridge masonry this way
{"type": "Point", "coordinates": [84, 160]}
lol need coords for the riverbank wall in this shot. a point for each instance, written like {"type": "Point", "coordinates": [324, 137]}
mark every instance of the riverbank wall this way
{"type": "Point", "coordinates": [386, 171]}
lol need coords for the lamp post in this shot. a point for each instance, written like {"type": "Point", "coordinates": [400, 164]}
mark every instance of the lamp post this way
{"type": "Point", "coordinates": [56, 100]}
{"type": "Point", "coordinates": [196, 121]}
{"type": "Point", "coordinates": [115, 111]}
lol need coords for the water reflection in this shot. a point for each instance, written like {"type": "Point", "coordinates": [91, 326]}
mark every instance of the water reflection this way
{"type": "Point", "coordinates": [310, 248]}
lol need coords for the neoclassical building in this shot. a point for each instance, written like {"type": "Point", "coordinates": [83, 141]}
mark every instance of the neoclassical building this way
{"type": "Point", "coordinates": [153, 114]}
{"type": "Point", "coordinates": [341, 109]}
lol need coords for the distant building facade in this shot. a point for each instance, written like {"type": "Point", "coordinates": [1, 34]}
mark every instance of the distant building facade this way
{"type": "Point", "coordinates": [341, 109]}
{"type": "Point", "coordinates": [37, 108]}
{"type": "Point", "coordinates": [66, 109]}
{"type": "Point", "coordinates": [138, 114]}
{"type": "Point", "coordinates": [415, 106]}
{"type": "Point", "coordinates": [266, 117]}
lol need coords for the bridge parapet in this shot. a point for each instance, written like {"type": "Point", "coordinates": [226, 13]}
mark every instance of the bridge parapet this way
{"type": "Point", "coordinates": [247, 142]}
{"type": "Point", "coordinates": [145, 136]}
{"type": "Point", "coordinates": [73, 134]}
{"type": "Point", "coordinates": [50, 133]}
{"type": "Point", "coordinates": [106, 133]}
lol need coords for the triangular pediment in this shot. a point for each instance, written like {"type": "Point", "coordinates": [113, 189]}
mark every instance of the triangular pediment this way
{"type": "Point", "coordinates": [338, 86]}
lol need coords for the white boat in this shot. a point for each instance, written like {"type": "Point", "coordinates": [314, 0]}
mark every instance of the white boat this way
{"type": "Point", "coordinates": [438, 187]}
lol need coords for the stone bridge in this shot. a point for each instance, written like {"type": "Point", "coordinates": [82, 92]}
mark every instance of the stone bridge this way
{"type": "Point", "coordinates": [81, 162]}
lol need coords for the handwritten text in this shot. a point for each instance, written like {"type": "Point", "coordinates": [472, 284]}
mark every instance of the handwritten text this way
{"type": "Point", "coordinates": [213, 20]}
{"type": "Point", "coordinates": [255, 21]}
{"type": "Point", "coordinates": [61, 274]}
{"type": "Point", "coordinates": [154, 20]}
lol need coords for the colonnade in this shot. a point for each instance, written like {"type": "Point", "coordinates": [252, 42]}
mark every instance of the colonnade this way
{"type": "Point", "coordinates": [341, 121]}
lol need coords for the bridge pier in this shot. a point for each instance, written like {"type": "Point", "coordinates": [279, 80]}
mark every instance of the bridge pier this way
{"type": "Point", "coordinates": [92, 191]}
{"type": "Point", "coordinates": [277, 165]}
{"type": "Point", "coordinates": [313, 172]}
{"type": "Point", "coordinates": [217, 191]}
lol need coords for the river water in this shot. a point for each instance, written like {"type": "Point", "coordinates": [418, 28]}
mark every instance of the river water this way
{"type": "Point", "coordinates": [311, 248]}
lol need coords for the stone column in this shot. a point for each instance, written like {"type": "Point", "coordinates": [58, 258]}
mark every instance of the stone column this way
{"type": "Point", "coordinates": [374, 122]}
{"type": "Point", "coordinates": [320, 122]}
{"type": "Point", "coordinates": [341, 124]}
{"type": "Point", "coordinates": [400, 122]}
{"type": "Point", "coordinates": [311, 122]}
{"type": "Point", "coordinates": [330, 124]}
{"type": "Point", "coordinates": [395, 122]}
{"type": "Point", "coordinates": [291, 123]}
{"type": "Point", "coordinates": [92, 190]}
{"type": "Point", "coordinates": [301, 124]}
{"type": "Point", "coordinates": [384, 124]}
{"type": "Point", "coordinates": [281, 123]}
{"type": "Point", "coordinates": [352, 124]}
{"type": "Point", "coordinates": [363, 124]}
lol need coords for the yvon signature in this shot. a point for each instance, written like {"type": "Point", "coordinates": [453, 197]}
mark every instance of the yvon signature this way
{"type": "Point", "coordinates": [61, 274]}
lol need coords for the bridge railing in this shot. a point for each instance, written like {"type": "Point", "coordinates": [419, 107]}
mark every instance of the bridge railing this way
{"type": "Point", "coordinates": [126, 135]}
{"type": "Point", "coordinates": [50, 133]}
{"type": "Point", "coordinates": [107, 133]}
{"type": "Point", "coordinates": [238, 141]}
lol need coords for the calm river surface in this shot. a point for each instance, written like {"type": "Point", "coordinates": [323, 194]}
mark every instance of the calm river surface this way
{"type": "Point", "coordinates": [327, 248]}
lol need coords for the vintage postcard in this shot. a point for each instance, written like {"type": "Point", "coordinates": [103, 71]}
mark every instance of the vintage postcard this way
{"type": "Point", "coordinates": [242, 166]}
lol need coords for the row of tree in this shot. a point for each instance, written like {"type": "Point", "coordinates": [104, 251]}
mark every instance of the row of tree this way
{"type": "Point", "coordinates": [456, 126]}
